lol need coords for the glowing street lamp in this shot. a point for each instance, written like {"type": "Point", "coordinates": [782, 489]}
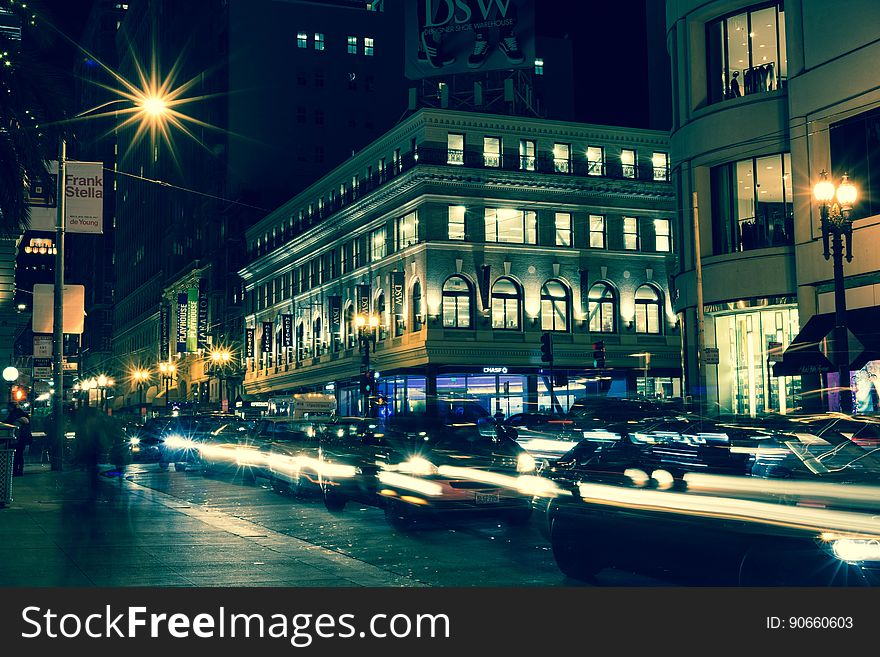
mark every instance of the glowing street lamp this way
{"type": "Point", "coordinates": [837, 226]}
{"type": "Point", "coordinates": [141, 377]}
{"type": "Point", "coordinates": [166, 371]}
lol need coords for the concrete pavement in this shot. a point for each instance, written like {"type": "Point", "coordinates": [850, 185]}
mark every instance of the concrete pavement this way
{"type": "Point", "coordinates": [64, 529]}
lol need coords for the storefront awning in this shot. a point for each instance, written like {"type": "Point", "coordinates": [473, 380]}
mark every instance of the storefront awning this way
{"type": "Point", "coordinates": [807, 355]}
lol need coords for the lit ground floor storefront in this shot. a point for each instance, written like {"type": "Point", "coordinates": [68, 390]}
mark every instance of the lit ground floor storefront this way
{"type": "Point", "coordinates": [492, 388]}
{"type": "Point", "coordinates": [750, 337]}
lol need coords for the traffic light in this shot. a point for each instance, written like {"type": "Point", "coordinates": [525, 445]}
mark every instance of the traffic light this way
{"type": "Point", "coordinates": [368, 383]}
{"type": "Point", "coordinates": [599, 354]}
{"type": "Point", "coordinates": [547, 347]}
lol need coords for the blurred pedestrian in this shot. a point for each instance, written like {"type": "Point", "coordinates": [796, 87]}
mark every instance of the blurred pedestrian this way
{"type": "Point", "coordinates": [23, 435]}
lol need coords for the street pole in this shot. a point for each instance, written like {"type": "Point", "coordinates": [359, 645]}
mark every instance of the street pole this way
{"type": "Point", "coordinates": [841, 337]}
{"type": "Point", "coordinates": [58, 316]}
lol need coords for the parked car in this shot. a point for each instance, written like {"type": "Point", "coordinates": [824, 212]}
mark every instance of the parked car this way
{"type": "Point", "coordinates": [810, 518]}
{"type": "Point", "coordinates": [414, 468]}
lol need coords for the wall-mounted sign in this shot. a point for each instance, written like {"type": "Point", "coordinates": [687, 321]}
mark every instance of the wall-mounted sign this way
{"type": "Point", "coordinates": [494, 370]}
{"type": "Point", "coordinates": [249, 342]}
{"type": "Point", "coordinates": [182, 301]}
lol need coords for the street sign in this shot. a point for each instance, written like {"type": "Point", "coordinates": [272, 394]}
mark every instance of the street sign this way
{"type": "Point", "coordinates": [42, 368]}
{"type": "Point", "coordinates": [42, 346]}
{"type": "Point", "coordinates": [774, 352]}
{"type": "Point", "coordinates": [710, 355]}
{"type": "Point", "coordinates": [69, 366]}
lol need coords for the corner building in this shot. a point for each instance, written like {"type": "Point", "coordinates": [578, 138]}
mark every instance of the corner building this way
{"type": "Point", "coordinates": [467, 236]}
{"type": "Point", "coordinates": [765, 96]}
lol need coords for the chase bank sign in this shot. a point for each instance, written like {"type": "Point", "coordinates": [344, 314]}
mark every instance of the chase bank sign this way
{"type": "Point", "coordinates": [494, 370]}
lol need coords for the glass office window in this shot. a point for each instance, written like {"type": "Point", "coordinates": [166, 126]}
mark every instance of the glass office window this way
{"type": "Point", "coordinates": [631, 233]}
{"type": "Point", "coordinates": [527, 154]}
{"type": "Point", "coordinates": [648, 309]}
{"type": "Point", "coordinates": [506, 301]}
{"type": "Point", "coordinates": [555, 305]}
{"type": "Point", "coordinates": [662, 235]}
{"type": "Point", "coordinates": [597, 231]}
{"type": "Point", "coordinates": [563, 229]}
{"type": "Point", "coordinates": [407, 230]}
{"type": "Point", "coordinates": [492, 152]}
{"type": "Point", "coordinates": [456, 222]}
{"type": "Point", "coordinates": [513, 226]}
{"type": "Point", "coordinates": [595, 161]}
{"type": "Point", "coordinates": [602, 308]}
{"type": "Point", "coordinates": [562, 158]}
{"type": "Point", "coordinates": [454, 148]}
{"type": "Point", "coordinates": [457, 303]}
{"type": "Point", "coordinates": [628, 163]}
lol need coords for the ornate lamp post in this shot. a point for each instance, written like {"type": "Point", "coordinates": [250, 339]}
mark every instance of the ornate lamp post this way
{"type": "Point", "coordinates": [367, 326]}
{"type": "Point", "coordinates": [141, 377]}
{"type": "Point", "coordinates": [837, 225]}
{"type": "Point", "coordinates": [220, 359]}
{"type": "Point", "coordinates": [166, 371]}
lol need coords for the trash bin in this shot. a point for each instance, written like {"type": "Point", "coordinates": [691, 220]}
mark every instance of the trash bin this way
{"type": "Point", "coordinates": [7, 453]}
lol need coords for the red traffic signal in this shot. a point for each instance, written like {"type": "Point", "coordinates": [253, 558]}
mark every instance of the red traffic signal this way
{"type": "Point", "coordinates": [19, 394]}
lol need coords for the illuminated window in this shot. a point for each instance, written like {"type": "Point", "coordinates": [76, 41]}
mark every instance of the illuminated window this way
{"type": "Point", "coordinates": [595, 161]}
{"type": "Point", "coordinates": [454, 148]}
{"type": "Point", "coordinates": [492, 152]}
{"type": "Point", "coordinates": [407, 230]}
{"type": "Point", "coordinates": [417, 308]}
{"type": "Point", "coordinates": [631, 233]}
{"type": "Point", "coordinates": [319, 41]}
{"type": "Point", "coordinates": [663, 235]}
{"type": "Point", "coordinates": [378, 248]}
{"type": "Point", "coordinates": [661, 166]}
{"type": "Point", "coordinates": [561, 158]}
{"type": "Point", "coordinates": [647, 303]}
{"type": "Point", "coordinates": [511, 226]}
{"type": "Point", "coordinates": [563, 229]}
{"type": "Point", "coordinates": [456, 303]}
{"type": "Point", "coordinates": [302, 40]}
{"type": "Point", "coordinates": [602, 308]}
{"type": "Point", "coordinates": [628, 163]}
{"type": "Point", "coordinates": [456, 222]}
{"type": "Point", "coordinates": [352, 45]}
{"type": "Point", "coordinates": [554, 306]}
{"type": "Point", "coordinates": [506, 301]}
{"type": "Point", "coordinates": [368, 46]}
{"type": "Point", "coordinates": [527, 154]}
{"type": "Point", "coordinates": [597, 231]}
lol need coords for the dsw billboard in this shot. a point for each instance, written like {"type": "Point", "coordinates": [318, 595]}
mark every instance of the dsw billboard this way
{"type": "Point", "coordinates": [468, 36]}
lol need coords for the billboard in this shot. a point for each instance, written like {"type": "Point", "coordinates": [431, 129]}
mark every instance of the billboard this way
{"type": "Point", "coordinates": [83, 199]}
{"type": "Point", "coordinates": [468, 36]}
{"type": "Point", "coordinates": [73, 309]}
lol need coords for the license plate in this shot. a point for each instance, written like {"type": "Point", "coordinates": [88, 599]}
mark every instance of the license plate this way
{"type": "Point", "coordinates": [486, 498]}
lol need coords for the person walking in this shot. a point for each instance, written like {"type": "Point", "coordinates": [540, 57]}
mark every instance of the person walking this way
{"type": "Point", "coordinates": [22, 423]}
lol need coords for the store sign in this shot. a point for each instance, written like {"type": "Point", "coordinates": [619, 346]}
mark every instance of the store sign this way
{"type": "Point", "coordinates": [267, 338]}
{"type": "Point", "coordinates": [335, 314]}
{"type": "Point", "coordinates": [181, 322]}
{"type": "Point", "coordinates": [164, 332]}
{"type": "Point", "coordinates": [202, 331]}
{"type": "Point", "coordinates": [249, 342]}
{"type": "Point", "coordinates": [192, 321]}
{"type": "Point", "coordinates": [397, 288]}
{"type": "Point", "coordinates": [286, 330]}
{"type": "Point", "coordinates": [494, 370]}
{"type": "Point", "coordinates": [363, 300]}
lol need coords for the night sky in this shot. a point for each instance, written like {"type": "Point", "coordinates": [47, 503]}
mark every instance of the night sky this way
{"type": "Point", "coordinates": [609, 43]}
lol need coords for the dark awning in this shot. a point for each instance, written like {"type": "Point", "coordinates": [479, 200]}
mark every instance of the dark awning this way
{"type": "Point", "coordinates": [805, 353]}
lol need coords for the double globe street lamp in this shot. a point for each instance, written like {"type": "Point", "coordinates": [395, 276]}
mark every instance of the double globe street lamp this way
{"type": "Point", "coordinates": [166, 371]}
{"type": "Point", "coordinates": [220, 360]}
{"type": "Point", "coordinates": [141, 377]}
{"type": "Point", "coordinates": [837, 227]}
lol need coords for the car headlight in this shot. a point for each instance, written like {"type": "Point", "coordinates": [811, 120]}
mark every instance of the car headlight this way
{"type": "Point", "coordinates": [856, 549]}
{"type": "Point", "coordinates": [134, 440]}
{"type": "Point", "coordinates": [418, 466]}
{"type": "Point", "coordinates": [525, 463]}
{"type": "Point", "coordinates": [175, 441]}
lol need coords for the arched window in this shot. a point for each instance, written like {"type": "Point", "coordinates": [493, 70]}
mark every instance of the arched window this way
{"type": "Point", "coordinates": [348, 318]}
{"type": "Point", "coordinates": [301, 346]}
{"type": "Point", "coordinates": [418, 310]}
{"type": "Point", "coordinates": [555, 305]}
{"type": "Point", "coordinates": [602, 308]}
{"type": "Point", "coordinates": [317, 337]}
{"type": "Point", "coordinates": [457, 302]}
{"type": "Point", "coordinates": [506, 301]}
{"type": "Point", "coordinates": [648, 308]}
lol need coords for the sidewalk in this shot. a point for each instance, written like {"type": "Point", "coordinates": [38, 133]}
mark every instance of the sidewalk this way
{"type": "Point", "coordinates": [61, 531]}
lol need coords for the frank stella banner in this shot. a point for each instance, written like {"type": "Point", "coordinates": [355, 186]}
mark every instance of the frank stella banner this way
{"type": "Point", "coordinates": [83, 199]}
{"type": "Point", "coordinates": [467, 36]}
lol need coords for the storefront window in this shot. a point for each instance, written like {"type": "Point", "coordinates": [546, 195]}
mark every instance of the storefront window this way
{"type": "Point", "coordinates": [505, 305]}
{"type": "Point", "coordinates": [456, 303]}
{"type": "Point", "coordinates": [403, 395]}
{"type": "Point", "coordinates": [745, 384]}
{"type": "Point", "coordinates": [746, 53]}
{"type": "Point", "coordinates": [752, 204]}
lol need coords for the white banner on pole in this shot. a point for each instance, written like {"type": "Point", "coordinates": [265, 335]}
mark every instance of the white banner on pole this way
{"type": "Point", "coordinates": [84, 199]}
{"type": "Point", "coordinates": [44, 308]}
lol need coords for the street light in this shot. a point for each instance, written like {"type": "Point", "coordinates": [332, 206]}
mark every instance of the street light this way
{"type": "Point", "coordinates": [366, 326]}
{"type": "Point", "coordinates": [10, 375]}
{"type": "Point", "coordinates": [220, 359]}
{"type": "Point", "coordinates": [166, 370]}
{"type": "Point", "coordinates": [103, 382]}
{"type": "Point", "coordinates": [141, 377]}
{"type": "Point", "coordinates": [837, 225]}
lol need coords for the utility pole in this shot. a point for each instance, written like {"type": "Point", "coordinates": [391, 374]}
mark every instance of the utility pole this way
{"type": "Point", "coordinates": [58, 317]}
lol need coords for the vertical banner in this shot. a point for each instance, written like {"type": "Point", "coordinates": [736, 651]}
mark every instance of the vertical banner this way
{"type": "Point", "coordinates": [181, 322]}
{"type": "Point", "coordinates": [249, 342]}
{"type": "Point", "coordinates": [335, 302]}
{"type": "Point", "coordinates": [287, 330]}
{"type": "Point", "coordinates": [192, 320]}
{"type": "Point", "coordinates": [202, 331]}
{"type": "Point", "coordinates": [164, 332]}
{"type": "Point", "coordinates": [398, 280]}
{"type": "Point", "coordinates": [83, 198]}
{"type": "Point", "coordinates": [363, 300]}
{"type": "Point", "coordinates": [267, 338]}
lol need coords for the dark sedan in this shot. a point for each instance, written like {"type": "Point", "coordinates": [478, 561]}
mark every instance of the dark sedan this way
{"type": "Point", "coordinates": [414, 469]}
{"type": "Point", "coordinates": [810, 517]}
